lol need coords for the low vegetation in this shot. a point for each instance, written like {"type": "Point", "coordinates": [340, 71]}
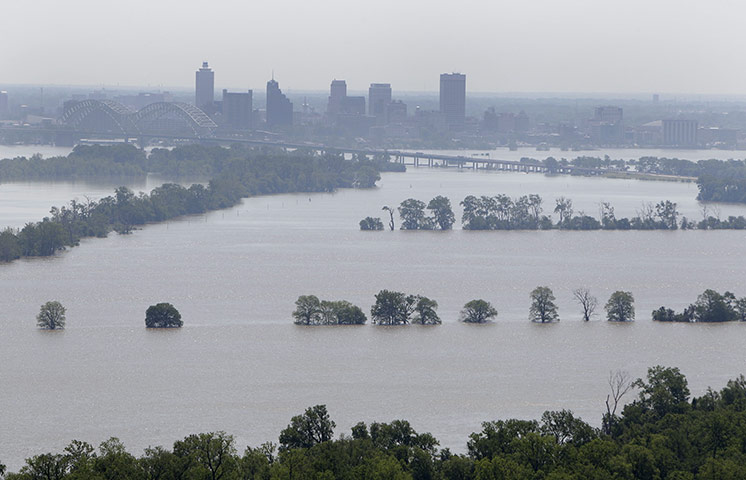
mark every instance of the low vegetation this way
{"type": "Point", "coordinates": [235, 173]}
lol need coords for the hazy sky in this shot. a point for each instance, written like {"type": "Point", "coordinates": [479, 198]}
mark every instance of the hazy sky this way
{"type": "Point", "coordinates": [625, 46]}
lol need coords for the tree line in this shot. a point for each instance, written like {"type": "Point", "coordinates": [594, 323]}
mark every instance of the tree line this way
{"type": "Point", "coordinates": [710, 307]}
{"type": "Point", "coordinates": [501, 212]}
{"type": "Point", "coordinates": [664, 433]}
{"type": "Point", "coordinates": [238, 173]}
{"type": "Point", "coordinates": [399, 308]}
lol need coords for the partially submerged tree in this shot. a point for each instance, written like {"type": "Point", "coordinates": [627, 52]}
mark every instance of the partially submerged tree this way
{"type": "Point", "coordinates": [442, 213]}
{"type": "Point", "coordinates": [51, 316]}
{"type": "Point", "coordinates": [478, 311]}
{"type": "Point", "coordinates": [371, 223]}
{"type": "Point", "coordinates": [307, 310]}
{"type": "Point", "coordinates": [392, 308]}
{"type": "Point", "coordinates": [163, 315]}
{"type": "Point", "coordinates": [620, 307]}
{"type": "Point", "coordinates": [425, 312]}
{"type": "Point", "coordinates": [588, 302]}
{"type": "Point", "coordinates": [543, 308]}
{"type": "Point", "coordinates": [391, 215]}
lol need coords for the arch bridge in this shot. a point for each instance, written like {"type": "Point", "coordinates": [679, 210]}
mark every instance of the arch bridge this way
{"type": "Point", "coordinates": [108, 116]}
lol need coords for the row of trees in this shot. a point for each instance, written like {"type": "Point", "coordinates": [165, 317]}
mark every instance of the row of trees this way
{"type": "Point", "coordinates": [413, 217]}
{"type": "Point", "coordinates": [663, 434]}
{"type": "Point", "coordinates": [254, 172]}
{"type": "Point", "coordinates": [710, 307]}
{"type": "Point", "coordinates": [189, 161]}
{"type": "Point", "coordinates": [162, 315]}
{"type": "Point", "coordinates": [501, 212]}
{"type": "Point", "coordinates": [398, 308]}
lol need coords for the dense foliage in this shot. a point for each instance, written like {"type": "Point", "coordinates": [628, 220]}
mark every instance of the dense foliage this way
{"type": "Point", "coordinates": [309, 310]}
{"type": "Point", "coordinates": [398, 308]}
{"type": "Point", "coordinates": [236, 173]}
{"type": "Point", "coordinates": [710, 307]}
{"type": "Point", "coordinates": [663, 434]}
{"type": "Point", "coordinates": [163, 315]}
{"type": "Point", "coordinates": [51, 316]}
{"type": "Point", "coordinates": [501, 212]}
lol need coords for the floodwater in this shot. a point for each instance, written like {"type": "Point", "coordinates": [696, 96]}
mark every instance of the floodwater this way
{"type": "Point", "coordinates": [240, 365]}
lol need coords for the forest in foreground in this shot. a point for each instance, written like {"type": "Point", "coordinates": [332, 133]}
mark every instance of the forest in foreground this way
{"type": "Point", "coordinates": [663, 433]}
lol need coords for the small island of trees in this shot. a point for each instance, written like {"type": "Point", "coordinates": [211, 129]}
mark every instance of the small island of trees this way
{"type": "Point", "coordinates": [710, 307]}
{"type": "Point", "coordinates": [501, 212]}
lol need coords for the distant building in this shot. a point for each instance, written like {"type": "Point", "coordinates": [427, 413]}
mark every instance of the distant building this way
{"type": "Point", "coordinates": [607, 125]}
{"type": "Point", "coordinates": [656, 98]}
{"type": "Point", "coordinates": [379, 98]}
{"type": "Point", "coordinates": [204, 96]}
{"type": "Point", "coordinates": [354, 105]}
{"type": "Point", "coordinates": [3, 104]}
{"type": "Point", "coordinates": [453, 98]}
{"type": "Point", "coordinates": [279, 107]}
{"type": "Point", "coordinates": [396, 112]}
{"type": "Point", "coordinates": [608, 114]}
{"type": "Point", "coordinates": [337, 95]}
{"type": "Point", "coordinates": [680, 133]}
{"type": "Point", "coordinates": [237, 109]}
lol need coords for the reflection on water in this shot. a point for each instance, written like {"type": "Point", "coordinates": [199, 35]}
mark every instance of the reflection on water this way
{"type": "Point", "coordinates": [240, 365]}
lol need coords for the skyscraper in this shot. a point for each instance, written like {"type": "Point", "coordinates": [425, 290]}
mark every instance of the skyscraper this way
{"type": "Point", "coordinates": [238, 109]}
{"type": "Point", "coordinates": [279, 108]}
{"type": "Point", "coordinates": [204, 96]}
{"type": "Point", "coordinates": [453, 98]}
{"type": "Point", "coordinates": [337, 95]}
{"type": "Point", "coordinates": [379, 98]}
{"type": "Point", "coordinates": [3, 104]}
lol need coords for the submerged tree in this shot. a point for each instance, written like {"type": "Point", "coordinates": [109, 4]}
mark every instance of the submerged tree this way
{"type": "Point", "coordinates": [412, 213]}
{"type": "Point", "coordinates": [425, 312]}
{"type": "Point", "coordinates": [543, 308]}
{"type": "Point", "coordinates": [391, 215]}
{"type": "Point", "coordinates": [588, 302]}
{"type": "Point", "coordinates": [442, 212]}
{"type": "Point", "coordinates": [371, 223]}
{"type": "Point", "coordinates": [620, 307]}
{"type": "Point", "coordinates": [307, 310]}
{"type": "Point", "coordinates": [51, 316]}
{"type": "Point", "coordinates": [478, 311]}
{"type": "Point", "coordinates": [392, 308]}
{"type": "Point", "coordinates": [163, 315]}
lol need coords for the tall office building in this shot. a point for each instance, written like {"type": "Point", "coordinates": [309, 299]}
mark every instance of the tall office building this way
{"type": "Point", "coordinates": [453, 98]}
{"type": "Point", "coordinates": [682, 133]}
{"type": "Point", "coordinates": [279, 108]}
{"type": "Point", "coordinates": [238, 109]}
{"type": "Point", "coordinates": [379, 98]}
{"type": "Point", "coordinates": [337, 95]}
{"type": "Point", "coordinates": [204, 96]}
{"type": "Point", "coordinates": [3, 105]}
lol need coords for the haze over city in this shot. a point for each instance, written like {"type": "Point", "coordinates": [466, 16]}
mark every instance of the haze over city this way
{"type": "Point", "coordinates": [508, 46]}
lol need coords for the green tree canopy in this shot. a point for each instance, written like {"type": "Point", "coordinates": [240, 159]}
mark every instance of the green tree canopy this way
{"type": "Point", "coordinates": [543, 308]}
{"type": "Point", "coordinates": [620, 307]}
{"type": "Point", "coordinates": [478, 311]}
{"type": "Point", "coordinates": [312, 427]}
{"type": "Point", "coordinates": [163, 315]}
{"type": "Point", "coordinates": [51, 316]}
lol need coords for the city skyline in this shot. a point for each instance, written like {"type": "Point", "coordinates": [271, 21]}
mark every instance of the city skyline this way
{"type": "Point", "coordinates": [576, 46]}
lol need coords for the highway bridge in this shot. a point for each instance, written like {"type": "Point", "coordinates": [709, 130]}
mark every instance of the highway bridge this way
{"type": "Point", "coordinates": [177, 121]}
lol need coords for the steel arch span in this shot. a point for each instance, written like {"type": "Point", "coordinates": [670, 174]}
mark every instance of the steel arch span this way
{"type": "Point", "coordinates": [196, 119]}
{"type": "Point", "coordinates": [119, 114]}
